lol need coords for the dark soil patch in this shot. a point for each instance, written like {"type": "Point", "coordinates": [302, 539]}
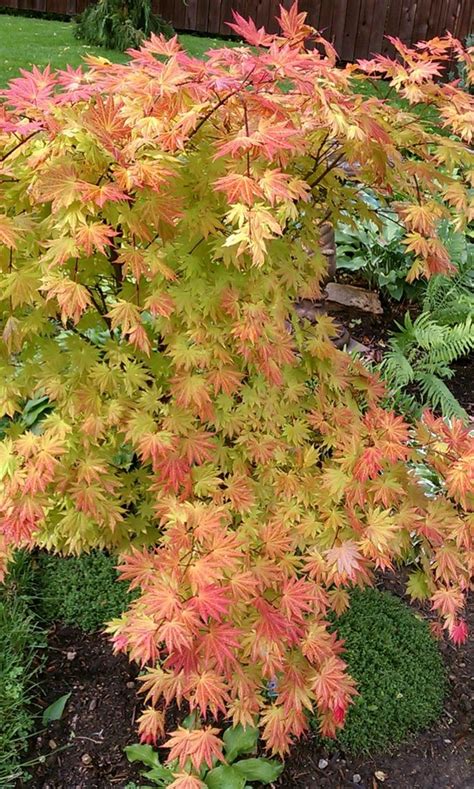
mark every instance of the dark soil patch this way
{"type": "Point", "coordinates": [84, 750]}
{"type": "Point", "coordinates": [100, 720]}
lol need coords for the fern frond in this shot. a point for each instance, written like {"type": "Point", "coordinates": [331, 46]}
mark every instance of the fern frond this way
{"type": "Point", "coordinates": [397, 369]}
{"type": "Point", "coordinates": [457, 341]}
{"type": "Point", "coordinates": [437, 395]}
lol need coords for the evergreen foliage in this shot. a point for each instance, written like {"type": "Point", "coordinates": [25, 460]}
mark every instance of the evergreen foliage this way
{"type": "Point", "coordinates": [120, 24]}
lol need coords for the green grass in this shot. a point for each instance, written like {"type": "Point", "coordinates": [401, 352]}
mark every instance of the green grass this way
{"type": "Point", "coordinates": [20, 638]}
{"type": "Point", "coordinates": [25, 42]}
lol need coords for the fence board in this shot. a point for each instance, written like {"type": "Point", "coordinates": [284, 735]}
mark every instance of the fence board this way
{"type": "Point", "coordinates": [349, 36]}
{"type": "Point", "coordinates": [453, 8]}
{"type": "Point", "coordinates": [466, 20]}
{"type": "Point", "coordinates": [339, 23]}
{"type": "Point", "coordinates": [202, 16]}
{"type": "Point", "coordinates": [379, 22]}
{"type": "Point", "coordinates": [437, 12]}
{"type": "Point", "coordinates": [324, 23]}
{"type": "Point", "coordinates": [422, 20]}
{"type": "Point", "coordinates": [368, 11]}
{"type": "Point", "coordinates": [407, 20]}
{"type": "Point", "coordinates": [356, 27]}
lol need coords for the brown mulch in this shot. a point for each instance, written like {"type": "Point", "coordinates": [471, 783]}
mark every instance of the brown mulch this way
{"type": "Point", "coordinates": [85, 749]}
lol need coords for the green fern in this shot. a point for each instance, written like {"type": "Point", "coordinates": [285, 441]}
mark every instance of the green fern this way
{"type": "Point", "coordinates": [419, 358]}
{"type": "Point", "coordinates": [439, 396]}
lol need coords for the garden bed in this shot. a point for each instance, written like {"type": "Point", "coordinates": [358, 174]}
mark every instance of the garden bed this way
{"type": "Point", "coordinates": [373, 331]}
{"type": "Point", "coordinates": [84, 750]}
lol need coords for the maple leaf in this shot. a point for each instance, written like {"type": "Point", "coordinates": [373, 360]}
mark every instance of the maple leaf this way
{"type": "Point", "coordinates": [274, 721]}
{"type": "Point", "coordinates": [100, 194]}
{"type": "Point", "coordinates": [239, 188]}
{"type": "Point", "coordinates": [239, 491]}
{"type": "Point", "coordinates": [458, 631]}
{"type": "Point", "coordinates": [247, 30]}
{"type": "Point", "coordinates": [347, 559]}
{"type": "Point", "coordinates": [105, 121]}
{"type": "Point", "coordinates": [95, 235]}
{"type": "Point", "coordinates": [447, 600]}
{"type": "Point", "coordinates": [159, 303]}
{"type": "Point", "coordinates": [151, 725]}
{"type": "Point", "coordinates": [293, 25]}
{"type": "Point", "coordinates": [162, 599]}
{"type": "Point", "coordinates": [186, 781]}
{"type": "Point", "coordinates": [207, 690]}
{"type": "Point", "coordinates": [200, 746]}
{"type": "Point", "coordinates": [142, 640]}
{"type": "Point", "coordinates": [220, 644]}
{"type": "Point", "coordinates": [210, 601]}
{"type": "Point", "coordinates": [72, 297]}
{"type": "Point", "coordinates": [8, 232]}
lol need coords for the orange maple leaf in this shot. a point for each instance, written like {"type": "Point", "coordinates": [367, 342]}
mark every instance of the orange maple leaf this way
{"type": "Point", "coordinates": [200, 746]}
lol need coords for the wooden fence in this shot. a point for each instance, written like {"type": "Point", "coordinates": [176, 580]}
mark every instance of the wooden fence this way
{"type": "Point", "coordinates": [356, 27]}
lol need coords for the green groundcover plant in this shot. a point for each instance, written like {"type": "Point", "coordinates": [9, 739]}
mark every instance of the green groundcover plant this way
{"type": "Point", "coordinates": [158, 220]}
{"type": "Point", "coordinates": [80, 591]}
{"type": "Point", "coordinates": [399, 671]}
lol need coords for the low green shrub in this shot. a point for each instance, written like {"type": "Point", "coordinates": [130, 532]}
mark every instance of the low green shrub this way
{"type": "Point", "coordinates": [81, 591]}
{"type": "Point", "coordinates": [20, 639]}
{"type": "Point", "coordinates": [398, 668]}
{"type": "Point", "coordinates": [116, 24]}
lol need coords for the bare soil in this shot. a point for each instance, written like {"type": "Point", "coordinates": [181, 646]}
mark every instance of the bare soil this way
{"type": "Point", "coordinates": [84, 750]}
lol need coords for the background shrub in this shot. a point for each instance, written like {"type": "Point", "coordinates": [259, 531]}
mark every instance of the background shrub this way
{"type": "Point", "coordinates": [82, 591]}
{"type": "Point", "coordinates": [398, 668]}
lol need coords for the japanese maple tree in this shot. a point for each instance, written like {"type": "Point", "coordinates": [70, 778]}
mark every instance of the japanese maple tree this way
{"type": "Point", "coordinates": [158, 219]}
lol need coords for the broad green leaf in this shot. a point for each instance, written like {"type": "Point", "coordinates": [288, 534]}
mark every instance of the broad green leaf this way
{"type": "Point", "coordinates": [160, 775]}
{"type": "Point", "coordinates": [264, 770]}
{"type": "Point", "coordinates": [225, 777]}
{"type": "Point", "coordinates": [55, 710]}
{"type": "Point", "coordinates": [142, 753]}
{"type": "Point", "coordinates": [34, 409]}
{"type": "Point", "coordinates": [190, 721]}
{"type": "Point", "coordinates": [238, 740]}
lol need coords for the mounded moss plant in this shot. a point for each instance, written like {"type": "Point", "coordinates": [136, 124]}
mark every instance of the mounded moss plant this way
{"type": "Point", "coordinates": [81, 591]}
{"type": "Point", "coordinates": [398, 668]}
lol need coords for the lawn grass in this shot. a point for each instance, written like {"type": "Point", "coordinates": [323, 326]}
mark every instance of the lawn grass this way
{"type": "Point", "coordinates": [20, 639]}
{"type": "Point", "coordinates": [25, 42]}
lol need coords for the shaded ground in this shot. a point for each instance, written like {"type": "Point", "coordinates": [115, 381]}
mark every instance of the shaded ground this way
{"type": "Point", "coordinates": [85, 749]}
